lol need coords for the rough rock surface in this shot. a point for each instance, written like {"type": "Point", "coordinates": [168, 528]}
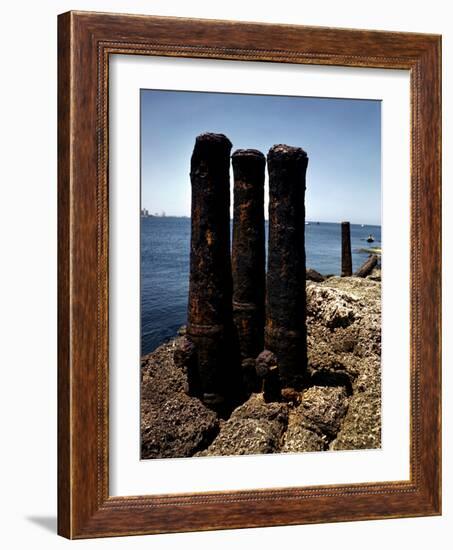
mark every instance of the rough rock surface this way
{"type": "Point", "coordinates": [246, 436]}
{"type": "Point", "coordinates": [313, 275]}
{"type": "Point", "coordinates": [344, 348]}
{"type": "Point", "coordinates": [299, 439]}
{"type": "Point", "coordinates": [323, 409]}
{"type": "Point", "coordinates": [316, 420]}
{"type": "Point", "coordinates": [254, 427]}
{"type": "Point", "coordinates": [172, 423]}
{"type": "Point", "coordinates": [340, 408]}
{"type": "Point", "coordinates": [375, 275]}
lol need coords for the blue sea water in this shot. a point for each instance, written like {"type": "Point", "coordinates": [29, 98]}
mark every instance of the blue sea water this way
{"type": "Point", "coordinates": [165, 247]}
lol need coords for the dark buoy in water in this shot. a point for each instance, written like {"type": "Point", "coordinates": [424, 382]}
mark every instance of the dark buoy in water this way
{"type": "Point", "coordinates": [370, 239]}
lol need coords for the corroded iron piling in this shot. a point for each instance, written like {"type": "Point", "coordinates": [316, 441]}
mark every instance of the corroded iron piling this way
{"type": "Point", "coordinates": [210, 290]}
{"type": "Point", "coordinates": [267, 374]}
{"type": "Point", "coordinates": [367, 267]}
{"type": "Point", "coordinates": [285, 332]}
{"type": "Point", "coordinates": [346, 258]}
{"type": "Point", "coordinates": [248, 258]}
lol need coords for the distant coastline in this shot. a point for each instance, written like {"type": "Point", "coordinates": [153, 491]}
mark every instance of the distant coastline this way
{"type": "Point", "coordinates": [144, 213]}
{"type": "Point", "coordinates": [159, 216]}
{"type": "Point", "coordinates": [308, 222]}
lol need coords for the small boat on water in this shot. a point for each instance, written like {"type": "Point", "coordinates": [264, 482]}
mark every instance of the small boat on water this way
{"type": "Point", "coordinates": [370, 239]}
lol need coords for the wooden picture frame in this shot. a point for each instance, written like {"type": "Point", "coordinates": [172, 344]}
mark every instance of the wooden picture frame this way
{"type": "Point", "coordinates": [85, 41]}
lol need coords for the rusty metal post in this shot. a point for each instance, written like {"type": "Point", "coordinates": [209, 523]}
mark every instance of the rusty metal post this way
{"type": "Point", "coordinates": [285, 332]}
{"type": "Point", "coordinates": [248, 258]}
{"type": "Point", "coordinates": [367, 267]}
{"type": "Point", "coordinates": [346, 258]}
{"type": "Point", "coordinates": [210, 321]}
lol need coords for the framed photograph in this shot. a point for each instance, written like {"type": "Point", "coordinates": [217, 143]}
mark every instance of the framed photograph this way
{"type": "Point", "coordinates": [249, 275]}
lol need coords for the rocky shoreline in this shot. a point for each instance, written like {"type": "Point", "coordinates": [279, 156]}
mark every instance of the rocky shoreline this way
{"type": "Point", "coordinates": [338, 410]}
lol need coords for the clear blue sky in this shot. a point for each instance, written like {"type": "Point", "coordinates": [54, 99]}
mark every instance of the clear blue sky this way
{"type": "Point", "coordinates": [342, 138]}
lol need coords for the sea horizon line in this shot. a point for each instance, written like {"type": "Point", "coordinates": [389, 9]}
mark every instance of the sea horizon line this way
{"type": "Point", "coordinates": [364, 224]}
